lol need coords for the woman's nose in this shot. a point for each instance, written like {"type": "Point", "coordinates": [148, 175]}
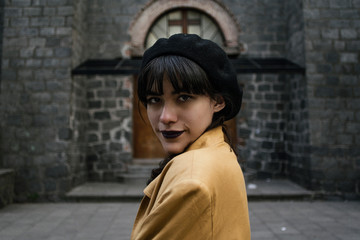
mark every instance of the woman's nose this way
{"type": "Point", "coordinates": [168, 115]}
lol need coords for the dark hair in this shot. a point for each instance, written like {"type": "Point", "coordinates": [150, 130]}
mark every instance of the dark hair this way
{"type": "Point", "coordinates": [185, 76]}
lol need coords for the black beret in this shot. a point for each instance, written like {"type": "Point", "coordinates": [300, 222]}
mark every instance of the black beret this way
{"type": "Point", "coordinates": [210, 57]}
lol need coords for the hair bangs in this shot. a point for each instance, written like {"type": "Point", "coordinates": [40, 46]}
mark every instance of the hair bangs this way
{"type": "Point", "coordinates": [183, 74]}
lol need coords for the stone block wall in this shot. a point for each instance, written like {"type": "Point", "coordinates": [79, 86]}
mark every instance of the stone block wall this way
{"type": "Point", "coordinates": [2, 3]}
{"type": "Point", "coordinates": [109, 132]}
{"type": "Point", "coordinates": [75, 132]}
{"type": "Point", "coordinates": [263, 26]}
{"type": "Point", "coordinates": [37, 59]}
{"type": "Point", "coordinates": [297, 128]}
{"type": "Point", "coordinates": [295, 45]}
{"type": "Point", "coordinates": [108, 24]}
{"type": "Point", "coordinates": [6, 187]}
{"type": "Point", "coordinates": [262, 123]}
{"type": "Point", "coordinates": [263, 119]}
{"type": "Point", "coordinates": [332, 42]}
{"type": "Point", "coordinates": [79, 33]}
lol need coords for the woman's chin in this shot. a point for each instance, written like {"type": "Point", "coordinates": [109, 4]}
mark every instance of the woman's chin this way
{"type": "Point", "coordinates": [173, 150]}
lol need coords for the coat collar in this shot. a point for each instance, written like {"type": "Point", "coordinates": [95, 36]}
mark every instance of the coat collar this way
{"type": "Point", "coordinates": [209, 138]}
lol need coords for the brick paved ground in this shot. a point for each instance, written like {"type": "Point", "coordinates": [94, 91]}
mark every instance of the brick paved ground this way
{"type": "Point", "coordinates": [113, 221]}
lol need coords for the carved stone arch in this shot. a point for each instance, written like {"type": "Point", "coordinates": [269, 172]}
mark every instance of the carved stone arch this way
{"type": "Point", "coordinates": [155, 8]}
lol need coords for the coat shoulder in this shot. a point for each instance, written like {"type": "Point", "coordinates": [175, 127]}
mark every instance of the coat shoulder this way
{"type": "Point", "coordinates": [205, 165]}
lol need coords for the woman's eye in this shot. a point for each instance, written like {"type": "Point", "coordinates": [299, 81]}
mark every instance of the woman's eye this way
{"type": "Point", "coordinates": [184, 98]}
{"type": "Point", "coordinates": [153, 100]}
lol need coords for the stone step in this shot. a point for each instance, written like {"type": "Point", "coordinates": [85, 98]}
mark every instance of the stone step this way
{"type": "Point", "coordinates": [136, 168]}
{"type": "Point", "coordinates": [133, 177]}
{"type": "Point", "coordinates": [136, 173]}
{"type": "Point", "coordinates": [106, 192]}
{"type": "Point", "coordinates": [6, 187]}
{"type": "Point", "coordinates": [141, 173]}
{"type": "Point", "coordinates": [147, 161]}
{"type": "Point", "coordinates": [250, 174]}
{"type": "Point", "coordinates": [257, 190]}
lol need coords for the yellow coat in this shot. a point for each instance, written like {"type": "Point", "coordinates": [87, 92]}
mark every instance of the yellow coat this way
{"type": "Point", "coordinates": [199, 195]}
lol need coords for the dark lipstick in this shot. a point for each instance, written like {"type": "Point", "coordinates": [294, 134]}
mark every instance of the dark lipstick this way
{"type": "Point", "coordinates": [171, 134]}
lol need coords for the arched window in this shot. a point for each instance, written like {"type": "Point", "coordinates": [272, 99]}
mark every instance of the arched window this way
{"type": "Point", "coordinates": [184, 21]}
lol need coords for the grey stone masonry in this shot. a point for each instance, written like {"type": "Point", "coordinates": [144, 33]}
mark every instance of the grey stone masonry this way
{"type": "Point", "coordinates": [296, 137]}
{"type": "Point", "coordinates": [2, 3]}
{"type": "Point", "coordinates": [332, 41]}
{"type": "Point", "coordinates": [263, 26]}
{"type": "Point", "coordinates": [108, 23]}
{"type": "Point", "coordinates": [37, 59]}
{"type": "Point", "coordinates": [262, 123]}
{"type": "Point", "coordinates": [109, 132]}
{"type": "Point", "coordinates": [6, 187]}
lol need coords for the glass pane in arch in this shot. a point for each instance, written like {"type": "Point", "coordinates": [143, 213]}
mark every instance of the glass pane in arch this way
{"type": "Point", "coordinates": [184, 21]}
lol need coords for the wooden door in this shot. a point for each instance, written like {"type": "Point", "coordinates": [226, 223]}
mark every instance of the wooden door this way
{"type": "Point", "coordinates": [145, 143]}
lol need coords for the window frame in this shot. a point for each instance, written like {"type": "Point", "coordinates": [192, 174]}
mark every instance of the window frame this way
{"type": "Point", "coordinates": [184, 23]}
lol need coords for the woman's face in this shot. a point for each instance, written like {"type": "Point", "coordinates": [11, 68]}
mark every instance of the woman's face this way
{"type": "Point", "coordinates": [179, 118]}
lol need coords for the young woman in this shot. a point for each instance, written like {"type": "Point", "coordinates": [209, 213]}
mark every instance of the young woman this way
{"type": "Point", "coordinates": [189, 89]}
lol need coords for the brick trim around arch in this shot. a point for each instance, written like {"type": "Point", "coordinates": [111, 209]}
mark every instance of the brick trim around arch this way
{"type": "Point", "coordinates": [155, 8]}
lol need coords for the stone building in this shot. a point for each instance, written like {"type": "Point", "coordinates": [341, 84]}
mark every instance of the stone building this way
{"type": "Point", "coordinates": [68, 69]}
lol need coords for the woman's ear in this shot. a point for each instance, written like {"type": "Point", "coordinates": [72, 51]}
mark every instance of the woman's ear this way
{"type": "Point", "coordinates": [219, 104]}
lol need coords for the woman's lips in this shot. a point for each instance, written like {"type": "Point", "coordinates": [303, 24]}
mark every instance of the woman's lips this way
{"type": "Point", "coordinates": [171, 134]}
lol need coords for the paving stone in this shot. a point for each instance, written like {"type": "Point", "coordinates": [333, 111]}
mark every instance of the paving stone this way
{"type": "Point", "coordinates": [74, 221]}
